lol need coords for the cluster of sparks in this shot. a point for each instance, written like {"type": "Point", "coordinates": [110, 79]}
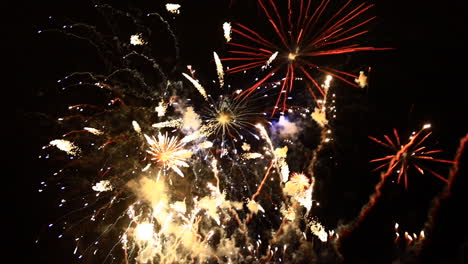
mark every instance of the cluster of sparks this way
{"type": "Point", "coordinates": [169, 220]}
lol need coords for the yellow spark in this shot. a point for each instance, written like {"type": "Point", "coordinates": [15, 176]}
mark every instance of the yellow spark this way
{"type": "Point", "coordinates": [281, 152]}
{"type": "Point", "coordinates": [318, 230]}
{"type": "Point", "coordinates": [197, 85]}
{"type": "Point", "coordinates": [173, 8]}
{"type": "Point", "coordinates": [245, 147]}
{"type": "Point", "coordinates": [161, 109]}
{"type": "Point", "coordinates": [65, 145]}
{"type": "Point", "coordinates": [136, 39]}
{"type": "Point", "coordinates": [284, 170]}
{"type": "Point", "coordinates": [172, 123]}
{"type": "Point", "coordinates": [136, 126]}
{"type": "Point", "coordinates": [254, 207]}
{"type": "Point", "coordinates": [146, 167]}
{"type": "Point", "coordinates": [227, 31]}
{"type": "Point", "coordinates": [252, 155]}
{"type": "Point", "coordinates": [206, 144]}
{"type": "Point", "coordinates": [361, 80]}
{"type": "Point", "coordinates": [102, 186]}
{"type": "Point", "coordinates": [298, 182]}
{"type": "Point", "coordinates": [94, 131]}
{"type": "Point", "coordinates": [224, 118]}
{"type": "Point", "coordinates": [219, 69]}
{"type": "Point", "coordinates": [229, 117]}
{"type": "Point", "coordinates": [320, 117]}
{"type": "Point", "coordinates": [272, 58]}
{"type": "Point", "coordinates": [292, 56]}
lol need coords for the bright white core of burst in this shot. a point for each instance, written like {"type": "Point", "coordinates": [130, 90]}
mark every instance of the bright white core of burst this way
{"type": "Point", "coordinates": [144, 231]}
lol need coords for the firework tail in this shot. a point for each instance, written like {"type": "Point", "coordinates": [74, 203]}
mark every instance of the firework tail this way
{"type": "Point", "coordinates": [371, 214]}
{"type": "Point", "coordinates": [445, 227]}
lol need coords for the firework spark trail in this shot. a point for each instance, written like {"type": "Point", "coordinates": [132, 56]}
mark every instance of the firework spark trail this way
{"type": "Point", "coordinates": [219, 69]}
{"type": "Point", "coordinates": [197, 85]}
{"type": "Point", "coordinates": [98, 40]}
{"type": "Point", "coordinates": [171, 33]}
{"type": "Point", "coordinates": [273, 162]}
{"type": "Point", "coordinates": [300, 42]}
{"type": "Point", "coordinates": [439, 223]}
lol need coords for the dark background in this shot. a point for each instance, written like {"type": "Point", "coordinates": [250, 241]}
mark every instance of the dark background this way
{"type": "Point", "coordinates": [422, 80]}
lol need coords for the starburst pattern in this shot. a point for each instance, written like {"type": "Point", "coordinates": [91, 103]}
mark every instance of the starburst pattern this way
{"type": "Point", "coordinates": [409, 155]}
{"type": "Point", "coordinates": [229, 117]}
{"type": "Point", "coordinates": [302, 35]}
{"type": "Point", "coordinates": [168, 152]}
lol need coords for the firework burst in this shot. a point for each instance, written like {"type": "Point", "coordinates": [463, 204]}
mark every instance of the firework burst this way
{"type": "Point", "coordinates": [230, 117]}
{"type": "Point", "coordinates": [301, 36]}
{"type": "Point", "coordinates": [409, 155]}
{"type": "Point", "coordinates": [226, 116]}
{"type": "Point", "coordinates": [168, 152]}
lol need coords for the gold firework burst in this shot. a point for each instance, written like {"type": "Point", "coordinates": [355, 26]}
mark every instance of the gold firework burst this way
{"type": "Point", "coordinates": [168, 152]}
{"type": "Point", "coordinates": [229, 117]}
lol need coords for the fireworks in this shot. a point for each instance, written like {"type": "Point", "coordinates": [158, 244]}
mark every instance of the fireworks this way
{"type": "Point", "coordinates": [410, 155]}
{"type": "Point", "coordinates": [168, 152]}
{"type": "Point", "coordinates": [297, 183]}
{"type": "Point", "coordinates": [137, 40]}
{"type": "Point", "coordinates": [229, 117]}
{"type": "Point", "coordinates": [226, 116]}
{"type": "Point", "coordinates": [247, 186]}
{"type": "Point", "coordinates": [144, 231]}
{"type": "Point", "coordinates": [227, 31]}
{"type": "Point", "coordinates": [66, 146]}
{"type": "Point", "coordinates": [173, 8]}
{"type": "Point", "coordinates": [301, 37]}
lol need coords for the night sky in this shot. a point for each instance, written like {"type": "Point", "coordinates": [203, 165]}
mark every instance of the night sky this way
{"type": "Point", "coordinates": [422, 80]}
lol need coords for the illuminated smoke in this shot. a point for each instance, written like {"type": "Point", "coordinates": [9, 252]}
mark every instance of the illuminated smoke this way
{"type": "Point", "coordinates": [191, 121]}
{"type": "Point", "coordinates": [286, 129]}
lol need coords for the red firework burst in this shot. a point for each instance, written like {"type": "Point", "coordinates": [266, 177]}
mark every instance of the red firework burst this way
{"type": "Point", "coordinates": [411, 154]}
{"type": "Point", "coordinates": [303, 34]}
